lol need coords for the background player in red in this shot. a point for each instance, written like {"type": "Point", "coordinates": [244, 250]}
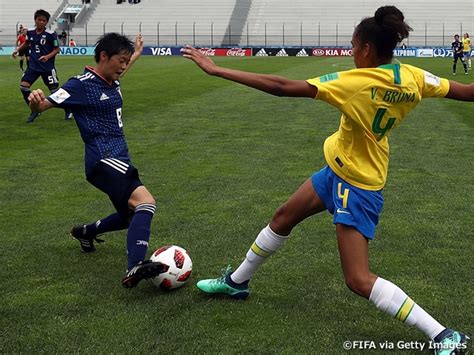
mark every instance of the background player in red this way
{"type": "Point", "coordinates": [23, 54]}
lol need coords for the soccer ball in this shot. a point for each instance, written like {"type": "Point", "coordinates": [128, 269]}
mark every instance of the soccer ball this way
{"type": "Point", "coordinates": [180, 267]}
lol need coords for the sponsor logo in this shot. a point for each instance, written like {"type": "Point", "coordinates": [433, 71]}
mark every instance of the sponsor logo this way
{"type": "Point", "coordinates": [332, 52]}
{"type": "Point", "coordinates": [318, 52]}
{"type": "Point", "coordinates": [404, 52]}
{"type": "Point", "coordinates": [161, 51]}
{"type": "Point", "coordinates": [425, 52]}
{"type": "Point", "coordinates": [261, 53]}
{"type": "Point", "coordinates": [103, 97]}
{"type": "Point", "coordinates": [236, 52]}
{"type": "Point", "coordinates": [282, 53]}
{"type": "Point", "coordinates": [442, 52]}
{"type": "Point", "coordinates": [73, 50]}
{"type": "Point", "coordinates": [302, 53]}
{"type": "Point", "coordinates": [210, 52]}
{"type": "Point", "coordinates": [339, 210]}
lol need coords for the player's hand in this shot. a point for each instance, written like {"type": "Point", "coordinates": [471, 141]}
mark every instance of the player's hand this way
{"type": "Point", "coordinates": [139, 44]}
{"type": "Point", "coordinates": [36, 97]}
{"type": "Point", "coordinates": [203, 61]}
{"type": "Point", "coordinates": [43, 59]}
{"type": "Point", "coordinates": [14, 54]}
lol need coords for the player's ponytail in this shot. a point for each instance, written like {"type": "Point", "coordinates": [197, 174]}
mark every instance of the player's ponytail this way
{"type": "Point", "coordinates": [384, 30]}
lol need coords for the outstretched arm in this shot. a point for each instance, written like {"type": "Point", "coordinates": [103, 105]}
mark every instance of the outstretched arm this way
{"type": "Point", "coordinates": [136, 54]}
{"type": "Point", "coordinates": [38, 102]}
{"type": "Point", "coordinates": [272, 84]}
{"type": "Point", "coordinates": [461, 92]}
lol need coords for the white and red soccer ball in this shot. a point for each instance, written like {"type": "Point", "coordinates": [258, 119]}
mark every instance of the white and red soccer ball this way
{"type": "Point", "coordinates": [180, 266]}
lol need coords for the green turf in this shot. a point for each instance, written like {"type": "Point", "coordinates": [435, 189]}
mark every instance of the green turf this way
{"type": "Point", "coordinates": [220, 158]}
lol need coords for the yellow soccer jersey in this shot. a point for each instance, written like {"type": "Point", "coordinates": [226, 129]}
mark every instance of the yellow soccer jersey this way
{"type": "Point", "coordinates": [373, 101]}
{"type": "Point", "coordinates": [466, 43]}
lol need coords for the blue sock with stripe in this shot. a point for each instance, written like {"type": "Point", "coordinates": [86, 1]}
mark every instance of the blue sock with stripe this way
{"type": "Point", "coordinates": [114, 222]}
{"type": "Point", "coordinates": [139, 233]}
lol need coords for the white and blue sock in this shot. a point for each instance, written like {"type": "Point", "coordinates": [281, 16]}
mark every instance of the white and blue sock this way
{"type": "Point", "coordinates": [139, 233]}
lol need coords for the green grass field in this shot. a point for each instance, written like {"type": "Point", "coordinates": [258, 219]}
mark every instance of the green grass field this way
{"type": "Point", "coordinates": [220, 158]}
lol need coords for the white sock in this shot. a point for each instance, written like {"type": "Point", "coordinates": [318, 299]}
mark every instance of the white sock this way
{"type": "Point", "coordinates": [391, 299]}
{"type": "Point", "coordinates": [266, 243]}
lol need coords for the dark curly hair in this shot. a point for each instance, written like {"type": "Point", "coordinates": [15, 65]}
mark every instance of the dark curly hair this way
{"type": "Point", "coordinates": [384, 30]}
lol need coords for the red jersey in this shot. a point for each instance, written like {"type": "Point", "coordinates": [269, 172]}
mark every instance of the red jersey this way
{"type": "Point", "coordinates": [21, 39]}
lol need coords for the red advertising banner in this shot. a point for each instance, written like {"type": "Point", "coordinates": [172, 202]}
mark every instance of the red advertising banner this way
{"type": "Point", "coordinates": [332, 52]}
{"type": "Point", "coordinates": [226, 52]}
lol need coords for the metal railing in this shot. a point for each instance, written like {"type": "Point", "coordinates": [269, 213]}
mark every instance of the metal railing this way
{"type": "Point", "coordinates": [268, 34]}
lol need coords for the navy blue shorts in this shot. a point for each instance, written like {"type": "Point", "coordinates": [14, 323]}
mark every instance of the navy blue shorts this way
{"type": "Point", "coordinates": [350, 205]}
{"type": "Point", "coordinates": [50, 78]}
{"type": "Point", "coordinates": [118, 180]}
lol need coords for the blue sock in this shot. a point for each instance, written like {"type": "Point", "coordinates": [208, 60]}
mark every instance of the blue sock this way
{"type": "Point", "coordinates": [139, 233]}
{"type": "Point", "coordinates": [114, 222]}
{"type": "Point", "coordinates": [25, 92]}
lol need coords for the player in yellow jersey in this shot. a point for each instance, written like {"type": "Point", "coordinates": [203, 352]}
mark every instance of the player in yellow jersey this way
{"type": "Point", "coordinates": [466, 43]}
{"type": "Point", "coordinates": [373, 100]}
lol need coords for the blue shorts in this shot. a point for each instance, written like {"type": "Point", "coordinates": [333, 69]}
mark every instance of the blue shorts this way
{"type": "Point", "coordinates": [118, 180]}
{"type": "Point", "coordinates": [50, 78]}
{"type": "Point", "coordinates": [350, 205]}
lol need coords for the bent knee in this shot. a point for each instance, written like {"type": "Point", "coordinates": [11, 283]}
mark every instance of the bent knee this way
{"type": "Point", "coordinates": [282, 221]}
{"type": "Point", "coordinates": [362, 285]}
{"type": "Point", "coordinates": [141, 196]}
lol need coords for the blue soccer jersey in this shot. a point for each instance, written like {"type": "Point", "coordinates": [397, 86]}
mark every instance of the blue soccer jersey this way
{"type": "Point", "coordinates": [41, 44]}
{"type": "Point", "coordinates": [97, 108]}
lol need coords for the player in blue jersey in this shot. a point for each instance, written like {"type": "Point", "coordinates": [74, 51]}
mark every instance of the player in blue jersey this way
{"type": "Point", "coordinates": [457, 48]}
{"type": "Point", "coordinates": [43, 47]}
{"type": "Point", "coordinates": [96, 102]}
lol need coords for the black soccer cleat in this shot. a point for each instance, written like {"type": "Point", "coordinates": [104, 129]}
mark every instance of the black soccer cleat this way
{"type": "Point", "coordinates": [143, 270]}
{"type": "Point", "coordinates": [87, 241]}
{"type": "Point", "coordinates": [33, 116]}
{"type": "Point", "coordinates": [68, 115]}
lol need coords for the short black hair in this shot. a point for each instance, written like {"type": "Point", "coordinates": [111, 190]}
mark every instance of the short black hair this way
{"type": "Point", "coordinates": [384, 30]}
{"type": "Point", "coordinates": [112, 44]}
{"type": "Point", "coordinates": [43, 13]}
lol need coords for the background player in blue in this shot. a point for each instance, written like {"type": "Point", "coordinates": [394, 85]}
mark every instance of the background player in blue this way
{"type": "Point", "coordinates": [457, 48]}
{"type": "Point", "coordinates": [96, 102]}
{"type": "Point", "coordinates": [44, 47]}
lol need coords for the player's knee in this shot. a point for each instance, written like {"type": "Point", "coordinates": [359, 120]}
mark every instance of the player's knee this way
{"type": "Point", "coordinates": [281, 221]}
{"type": "Point", "coordinates": [359, 284]}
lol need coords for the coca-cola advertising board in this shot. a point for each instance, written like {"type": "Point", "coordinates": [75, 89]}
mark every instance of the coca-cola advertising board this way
{"type": "Point", "coordinates": [226, 52]}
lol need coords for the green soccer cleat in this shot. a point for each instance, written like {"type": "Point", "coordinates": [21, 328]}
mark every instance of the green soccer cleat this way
{"type": "Point", "coordinates": [450, 342]}
{"type": "Point", "coordinates": [222, 285]}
